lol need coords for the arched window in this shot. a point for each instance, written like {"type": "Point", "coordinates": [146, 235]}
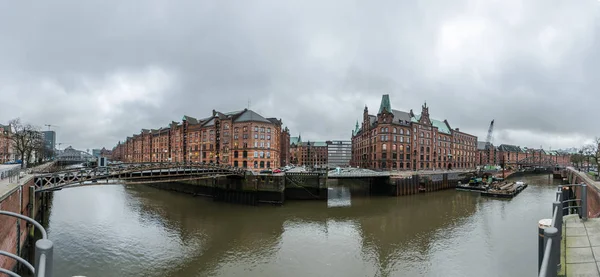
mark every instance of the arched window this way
{"type": "Point", "coordinates": [244, 164]}
{"type": "Point", "coordinates": [255, 164]}
{"type": "Point", "coordinates": [235, 154]}
{"type": "Point", "coordinates": [262, 164]}
{"type": "Point", "coordinates": [384, 146]}
{"type": "Point", "coordinates": [268, 164]}
{"type": "Point", "coordinates": [422, 149]}
{"type": "Point", "coordinates": [394, 130]}
{"type": "Point", "coordinates": [245, 154]}
{"type": "Point", "coordinates": [235, 163]}
{"type": "Point", "coordinates": [427, 149]}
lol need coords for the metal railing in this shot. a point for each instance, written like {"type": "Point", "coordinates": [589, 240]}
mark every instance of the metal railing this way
{"type": "Point", "coordinates": [44, 250]}
{"type": "Point", "coordinates": [549, 256]}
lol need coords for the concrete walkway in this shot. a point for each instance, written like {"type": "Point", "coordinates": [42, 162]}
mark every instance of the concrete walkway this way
{"type": "Point", "coordinates": [7, 187]}
{"type": "Point", "coordinates": [582, 241]}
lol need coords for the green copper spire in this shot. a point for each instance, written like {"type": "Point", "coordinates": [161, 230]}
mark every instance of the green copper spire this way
{"type": "Point", "coordinates": [385, 104]}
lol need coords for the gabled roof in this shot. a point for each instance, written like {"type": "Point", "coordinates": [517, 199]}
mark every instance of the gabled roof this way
{"type": "Point", "coordinates": [441, 125]}
{"type": "Point", "coordinates": [509, 148]}
{"type": "Point", "coordinates": [400, 116]}
{"type": "Point", "coordinates": [274, 120]}
{"type": "Point", "coordinates": [189, 119]}
{"type": "Point", "coordinates": [250, 115]}
{"type": "Point", "coordinates": [295, 140]}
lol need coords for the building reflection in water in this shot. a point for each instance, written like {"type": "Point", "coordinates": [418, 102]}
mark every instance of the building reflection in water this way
{"type": "Point", "coordinates": [339, 197]}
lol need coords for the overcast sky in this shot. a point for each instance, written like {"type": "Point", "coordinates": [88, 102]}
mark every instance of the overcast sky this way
{"type": "Point", "coordinates": [103, 70]}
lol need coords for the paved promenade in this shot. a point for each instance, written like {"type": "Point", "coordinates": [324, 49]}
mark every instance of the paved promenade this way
{"type": "Point", "coordinates": [7, 187]}
{"type": "Point", "coordinates": [582, 241]}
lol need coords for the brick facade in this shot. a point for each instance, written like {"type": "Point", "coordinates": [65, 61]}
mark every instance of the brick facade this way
{"type": "Point", "coordinates": [241, 139]}
{"type": "Point", "coordinates": [511, 155]}
{"type": "Point", "coordinates": [396, 140]}
{"type": "Point", "coordinates": [16, 202]}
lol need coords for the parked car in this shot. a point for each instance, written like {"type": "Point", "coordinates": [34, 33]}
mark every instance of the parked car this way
{"type": "Point", "coordinates": [277, 170]}
{"type": "Point", "coordinates": [266, 171]}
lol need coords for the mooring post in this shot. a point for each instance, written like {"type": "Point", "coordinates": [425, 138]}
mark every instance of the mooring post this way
{"type": "Point", "coordinates": [542, 225]}
{"type": "Point", "coordinates": [584, 206]}
{"type": "Point", "coordinates": [44, 254]}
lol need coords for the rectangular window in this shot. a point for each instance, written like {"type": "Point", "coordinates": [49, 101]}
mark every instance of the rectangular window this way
{"type": "Point", "coordinates": [256, 154]}
{"type": "Point", "coordinates": [262, 154]}
{"type": "Point", "coordinates": [268, 145]}
{"type": "Point", "coordinates": [262, 144]}
{"type": "Point", "coordinates": [256, 136]}
{"type": "Point", "coordinates": [269, 136]}
{"type": "Point", "coordinates": [268, 153]}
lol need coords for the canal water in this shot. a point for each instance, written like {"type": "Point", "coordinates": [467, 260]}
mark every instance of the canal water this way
{"type": "Point", "coordinates": [142, 231]}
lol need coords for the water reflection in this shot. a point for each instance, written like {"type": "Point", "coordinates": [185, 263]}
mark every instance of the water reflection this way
{"type": "Point", "coordinates": [338, 197]}
{"type": "Point", "coordinates": [141, 231]}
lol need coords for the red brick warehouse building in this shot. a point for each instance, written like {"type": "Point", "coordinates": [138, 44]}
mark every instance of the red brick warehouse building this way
{"type": "Point", "coordinates": [241, 139]}
{"type": "Point", "coordinates": [398, 140]}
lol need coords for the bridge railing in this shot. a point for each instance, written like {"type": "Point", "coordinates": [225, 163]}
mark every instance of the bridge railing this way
{"type": "Point", "coordinates": [550, 252]}
{"type": "Point", "coordinates": [44, 249]}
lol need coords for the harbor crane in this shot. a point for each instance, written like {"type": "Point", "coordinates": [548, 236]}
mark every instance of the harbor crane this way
{"type": "Point", "coordinates": [488, 143]}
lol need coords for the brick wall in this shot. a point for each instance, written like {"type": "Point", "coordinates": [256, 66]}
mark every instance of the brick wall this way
{"type": "Point", "coordinates": [8, 225]}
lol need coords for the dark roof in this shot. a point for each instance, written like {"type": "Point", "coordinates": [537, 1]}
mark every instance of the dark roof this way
{"type": "Point", "coordinates": [250, 115]}
{"type": "Point", "coordinates": [274, 120]}
{"type": "Point", "coordinates": [400, 115]}
{"type": "Point", "coordinates": [509, 148]}
{"type": "Point", "coordinates": [190, 119]}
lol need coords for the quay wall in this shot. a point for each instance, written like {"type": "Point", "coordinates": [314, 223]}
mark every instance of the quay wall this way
{"type": "Point", "coordinates": [14, 232]}
{"type": "Point", "coordinates": [250, 190]}
{"type": "Point", "coordinates": [593, 190]}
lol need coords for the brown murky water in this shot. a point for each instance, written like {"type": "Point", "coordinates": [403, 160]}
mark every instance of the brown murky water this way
{"type": "Point", "coordinates": [141, 231]}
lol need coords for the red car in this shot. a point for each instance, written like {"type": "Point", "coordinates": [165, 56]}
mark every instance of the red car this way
{"type": "Point", "coordinates": [277, 170]}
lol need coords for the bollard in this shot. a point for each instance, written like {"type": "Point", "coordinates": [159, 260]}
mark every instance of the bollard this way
{"type": "Point", "coordinates": [558, 224]}
{"type": "Point", "coordinates": [44, 250]}
{"type": "Point", "coordinates": [542, 225]}
{"type": "Point", "coordinates": [584, 206]}
{"type": "Point", "coordinates": [552, 233]}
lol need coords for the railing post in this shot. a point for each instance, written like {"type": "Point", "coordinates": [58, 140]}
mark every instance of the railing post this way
{"type": "Point", "coordinates": [542, 225]}
{"type": "Point", "coordinates": [558, 224]}
{"type": "Point", "coordinates": [584, 204]}
{"type": "Point", "coordinates": [44, 254]}
{"type": "Point", "coordinates": [552, 233]}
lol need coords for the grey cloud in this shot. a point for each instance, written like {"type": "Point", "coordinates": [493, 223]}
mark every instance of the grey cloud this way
{"type": "Point", "coordinates": [313, 64]}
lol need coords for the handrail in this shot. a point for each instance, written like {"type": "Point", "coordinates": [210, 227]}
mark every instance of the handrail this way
{"type": "Point", "coordinates": [44, 249]}
{"type": "Point", "coordinates": [28, 219]}
{"type": "Point", "coordinates": [19, 259]}
{"type": "Point", "coordinates": [553, 234]}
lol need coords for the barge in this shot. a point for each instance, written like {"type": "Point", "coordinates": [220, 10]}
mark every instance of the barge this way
{"type": "Point", "coordinates": [505, 190]}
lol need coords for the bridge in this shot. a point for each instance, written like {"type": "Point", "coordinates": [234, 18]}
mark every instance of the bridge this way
{"type": "Point", "coordinates": [537, 161]}
{"type": "Point", "coordinates": [140, 173]}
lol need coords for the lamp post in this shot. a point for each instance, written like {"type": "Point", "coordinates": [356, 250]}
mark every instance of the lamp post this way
{"type": "Point", "coordinates": [581, 159]}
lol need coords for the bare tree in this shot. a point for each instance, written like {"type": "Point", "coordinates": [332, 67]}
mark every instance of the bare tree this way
{"type": "Point", "coordinates": [24, 138]}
